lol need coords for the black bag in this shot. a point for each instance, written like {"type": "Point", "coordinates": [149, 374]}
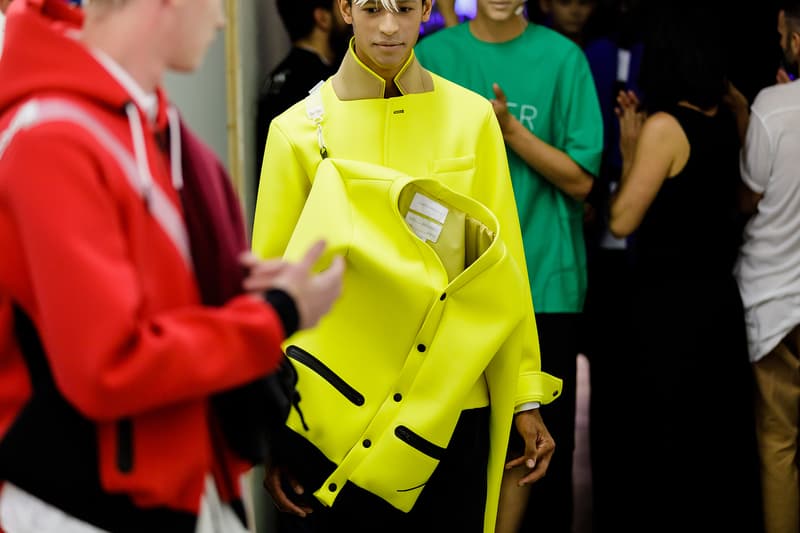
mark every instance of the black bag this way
{"type": "Point", "coordinates": [249, 416]}
{"type": "Point", "coordinates": [252, 416]}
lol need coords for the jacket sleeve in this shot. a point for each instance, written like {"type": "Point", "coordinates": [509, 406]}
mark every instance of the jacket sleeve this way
{"type": "Point", "coordinates": [109, 356]}
{"type": "Point", "coordinates": [493, 187]}
{"type": "Point", "coordinates": [282, 192]}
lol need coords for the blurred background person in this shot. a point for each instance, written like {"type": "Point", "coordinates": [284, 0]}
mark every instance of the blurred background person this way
{"type": "Point", "coordinates": [688, 461]}
{"type": "Point", "coordinates": [319, 38]}
{"type": "Point", "coordinates": [768, 272]}
{"type": "Point", "coordinates": [128, 306]}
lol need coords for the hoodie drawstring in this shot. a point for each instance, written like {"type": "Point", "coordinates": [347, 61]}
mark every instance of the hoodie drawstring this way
{"type": "Point", "coordinates": [140, 153]}
{"type": "Point", "coordinates": [175, 155]}
{"type": "Point", "coordinates": [134, 167]}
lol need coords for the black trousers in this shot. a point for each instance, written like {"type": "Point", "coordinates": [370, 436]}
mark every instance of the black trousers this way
{"type": "Point", "coordinates": [452, 500]}
{"type": "Point", "coordinates": [550, 505]}
{"type": "Point", "coordinates": [613, 371]}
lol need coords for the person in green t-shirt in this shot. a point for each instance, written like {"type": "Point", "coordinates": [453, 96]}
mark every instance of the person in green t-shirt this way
{"type": "Point", "coordinates": [545, 100]}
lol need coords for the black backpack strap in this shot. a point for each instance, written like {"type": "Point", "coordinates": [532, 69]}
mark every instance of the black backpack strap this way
{"type": "Point", "coordinates": [50, 451]}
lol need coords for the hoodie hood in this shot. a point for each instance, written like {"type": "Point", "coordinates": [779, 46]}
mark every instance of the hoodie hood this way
{"type": "Point", "coordinates": [42, 54]}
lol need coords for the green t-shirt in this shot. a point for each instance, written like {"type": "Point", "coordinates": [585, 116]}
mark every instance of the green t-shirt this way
{"type": "Point", "coordinates": [550, 90]}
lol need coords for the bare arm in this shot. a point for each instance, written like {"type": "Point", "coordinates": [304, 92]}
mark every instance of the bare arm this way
{"type": "Point", "coordinates": [648, 159]}
{"type": "Point", "coordinates": [554, 165]}
{"type": "Point", "coordinates": [447, 8]}
{"type": "Point", "coordinates": [740, 108]}
{"type": "Point", "coordinates": [748, 199]}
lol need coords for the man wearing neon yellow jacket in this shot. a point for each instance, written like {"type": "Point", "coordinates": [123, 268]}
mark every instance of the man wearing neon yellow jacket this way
{"type": "Point", "coordinates": [398, 391]}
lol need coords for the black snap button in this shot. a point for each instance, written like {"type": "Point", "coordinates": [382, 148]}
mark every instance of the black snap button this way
{"type": "Point", "coordinates": [398, 397]}
{"type": "Point", "coordinates": [421, 347]}
{"type": "Point", "coordinates": [555, 393]}
{"type": "Point", "coordinates": [443, 296]}
{"type": "Point", "coordinates": [332, 487]}
{"type": "Point", "coordinates": [367, 443]}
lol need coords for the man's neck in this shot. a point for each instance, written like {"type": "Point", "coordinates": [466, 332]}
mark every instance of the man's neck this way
{"type": "Point", "coordinates": [121, 41]}
{"type": "Point", "coordinates": [492, 31]}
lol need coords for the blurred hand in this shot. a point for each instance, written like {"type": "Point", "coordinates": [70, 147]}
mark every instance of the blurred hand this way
{"type": "Point", "coordinates": [447, 8]}
{"type": "Point", "coordinates": [275, 479]}
{"type": "Point", "coordinates": [313, 294]}
{"type": "Point", "coordinates": [500, 106]}
{"type": "Point", "coordinates": [630, 122]}
{"type": "Point", "coordinates": [260, 273]}
{"type": "Point", "coordinates": [539, 446]}
{"type": "Point", "coordinates": [783, 76]}
{"type": "Point", "coordinates": [734, 99]}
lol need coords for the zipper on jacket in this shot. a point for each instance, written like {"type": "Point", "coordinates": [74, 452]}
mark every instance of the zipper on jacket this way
{"type": "Point", "coordinates": [420, 443]}
{"type": "Point", "coordinates": [302, 356]}
{"type": "Point", "coordinates": [125, 445]}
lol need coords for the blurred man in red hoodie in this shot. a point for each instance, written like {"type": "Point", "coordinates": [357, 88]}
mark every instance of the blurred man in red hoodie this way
{"type": "Point", "coordinates": [127, 305]}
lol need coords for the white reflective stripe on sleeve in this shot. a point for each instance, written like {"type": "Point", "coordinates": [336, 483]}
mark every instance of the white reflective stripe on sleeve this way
{"type": "Point", "coordinates": [37, 112]}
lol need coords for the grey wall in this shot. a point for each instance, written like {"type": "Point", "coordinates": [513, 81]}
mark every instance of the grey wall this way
{"type": "Point", "coordinates": [273, 38]}
{"type": "Point", "coordinates": [201, 98]}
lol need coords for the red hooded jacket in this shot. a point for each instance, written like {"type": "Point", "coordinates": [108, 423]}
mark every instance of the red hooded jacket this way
{"type": "Point", "coordinates": [95, 254]}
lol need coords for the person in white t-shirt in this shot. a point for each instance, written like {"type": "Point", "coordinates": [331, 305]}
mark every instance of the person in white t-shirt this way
{"type": "Point", "coordinates": [768, 273]}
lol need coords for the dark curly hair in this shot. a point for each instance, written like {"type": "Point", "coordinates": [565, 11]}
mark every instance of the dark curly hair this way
{"type": "Point", "coordinates": [298, 15]}
{"type": "Point", "coordinates": [684, 56]}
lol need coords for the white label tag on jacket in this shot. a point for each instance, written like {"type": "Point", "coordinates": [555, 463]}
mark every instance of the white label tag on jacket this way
{"type": "Point", "coordinates": [430, 208]}
{"type": "Point", "coordinates": [424, 228]}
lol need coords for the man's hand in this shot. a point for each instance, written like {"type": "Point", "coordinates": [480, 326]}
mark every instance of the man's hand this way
{"type": "Point", "coordinates": [782, 76]}
{"type": "Point", "coordinates": [313, 294]}
{"type": "Point", "coordinates": [500, 106]}
{"type": "Point", "coordinates": [539, 446]}
{"type": "Point", "coordinates": [275, 479]}
{"type": "Point", "coordinates": [261, 273]}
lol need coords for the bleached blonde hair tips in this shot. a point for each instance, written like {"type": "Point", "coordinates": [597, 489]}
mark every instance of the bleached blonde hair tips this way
{"type": "Point", "coordinates": [391, 5]}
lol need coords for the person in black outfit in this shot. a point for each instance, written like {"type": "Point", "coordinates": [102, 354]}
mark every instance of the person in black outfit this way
{"type": "Point", "coordinates": [319, 40]}
{"type": "Point", "coordinates": [689, 461]}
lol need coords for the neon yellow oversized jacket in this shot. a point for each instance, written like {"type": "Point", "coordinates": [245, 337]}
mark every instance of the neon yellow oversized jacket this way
{"type": "Point", "coordinates": [380, 336]}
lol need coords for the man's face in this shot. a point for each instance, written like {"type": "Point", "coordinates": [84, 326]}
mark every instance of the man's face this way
{"type": "Point", "coordinates": [570, 16]}
{"type": "Point", "coordinates": [196, 26]}
{"type": "Point", "coordinates": [498, 10]}
{"type": "Point", "coordinates": [384, 39]}
{"type": "Point", "coordinates": [790, 42]}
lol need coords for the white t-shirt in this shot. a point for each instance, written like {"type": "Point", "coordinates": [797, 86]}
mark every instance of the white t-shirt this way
{"type": "Point", "coordinates": [768, 268]}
